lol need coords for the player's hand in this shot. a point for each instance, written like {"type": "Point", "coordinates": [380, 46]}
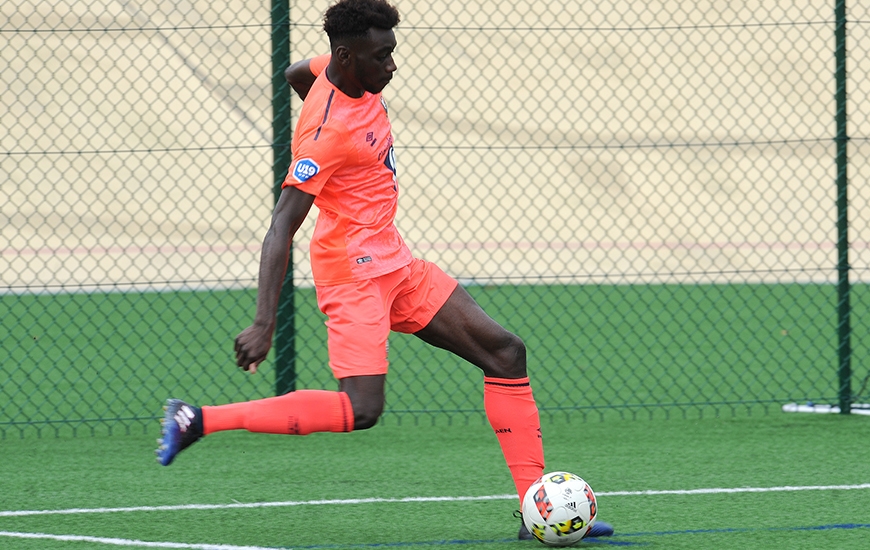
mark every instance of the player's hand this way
{"type": "Point", "coordinates": [252, 346]}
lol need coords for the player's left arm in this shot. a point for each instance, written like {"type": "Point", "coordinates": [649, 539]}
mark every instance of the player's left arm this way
{"type": "Point", "coordinates": [302, 74]}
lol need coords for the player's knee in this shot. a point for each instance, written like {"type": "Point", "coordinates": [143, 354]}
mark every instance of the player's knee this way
{"type": "Point", "coordinates": [366, 394]}
{"type": "Point", "coordinates": [517, 355]}
{"type": "Point", "coordinates": [510, 359]}
{"type": "Point", "coordinates": [366, 414]}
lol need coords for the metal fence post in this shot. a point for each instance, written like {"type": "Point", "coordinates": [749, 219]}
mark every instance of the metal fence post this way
{"type": "Point", "coordinates": [285, 345]}
{"type": "Point", "coordinates": [844, 348]}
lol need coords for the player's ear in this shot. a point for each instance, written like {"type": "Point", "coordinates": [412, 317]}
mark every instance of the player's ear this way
{"type": "Point", "coordinates": [342, 53]}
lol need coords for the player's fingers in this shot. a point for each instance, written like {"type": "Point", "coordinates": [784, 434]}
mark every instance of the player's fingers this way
{"type": "Point", "coordinates": [242, 358]}
{"type": "Point", "coordinates": [252, 368]}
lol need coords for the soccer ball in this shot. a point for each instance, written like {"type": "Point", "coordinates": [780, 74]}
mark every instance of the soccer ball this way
{"type": "Point", "coordinates": [559, 508]}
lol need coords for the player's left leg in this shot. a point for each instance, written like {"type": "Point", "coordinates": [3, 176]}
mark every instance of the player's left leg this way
{"type": "Point", "coordinates": [462, 327]}
{"type": "Point", "coordinates": [433, 307]}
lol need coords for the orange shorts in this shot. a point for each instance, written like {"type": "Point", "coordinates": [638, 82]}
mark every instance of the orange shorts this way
{"type": "Point", "coordinates": [362, 314]}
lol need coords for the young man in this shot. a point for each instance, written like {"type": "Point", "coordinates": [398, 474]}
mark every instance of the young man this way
{"type": "Point", "coordinates": [367, 281]}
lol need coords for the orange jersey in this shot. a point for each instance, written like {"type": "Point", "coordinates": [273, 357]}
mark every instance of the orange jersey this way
{"type": "Point", "coordinates": [343, 155]}
{"type": "Point", "coordinates": [317, 64]}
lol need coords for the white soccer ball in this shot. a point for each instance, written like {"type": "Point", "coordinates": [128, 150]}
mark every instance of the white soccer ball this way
{"type": "Point", "coordinates": [559, 508]}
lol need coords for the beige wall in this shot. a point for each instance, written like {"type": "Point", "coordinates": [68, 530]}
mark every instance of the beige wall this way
{"type": "Point", "coordinates": [567, 142]}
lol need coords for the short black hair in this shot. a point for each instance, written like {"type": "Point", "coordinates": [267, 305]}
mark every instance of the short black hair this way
{"type": "Point", "coordinates": [354, 18]}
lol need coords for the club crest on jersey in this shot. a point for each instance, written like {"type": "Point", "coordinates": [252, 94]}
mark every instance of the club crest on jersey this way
{"type": "Point", "coordinates": [390, 161]}
{"type": "Point", "coordinates": [305, 169]}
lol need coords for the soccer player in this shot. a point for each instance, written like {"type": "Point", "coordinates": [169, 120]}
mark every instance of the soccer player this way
{"type": "Point", "coordinates": [367, 281]}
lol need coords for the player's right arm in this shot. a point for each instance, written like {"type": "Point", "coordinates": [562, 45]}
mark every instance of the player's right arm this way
{"type": "Point", "coordinates": [253, 344]}
{"type": "Point", "coordinates": [302, 74]}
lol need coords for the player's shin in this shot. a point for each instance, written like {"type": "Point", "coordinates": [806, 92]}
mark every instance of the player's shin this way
{"type": "Point", "coordinates": [297, 413]}
{"type": "Point", "coordinates": [513, 415]}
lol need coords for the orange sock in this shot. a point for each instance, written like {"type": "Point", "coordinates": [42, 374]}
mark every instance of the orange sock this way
{"type": "Point", "coordinates": [297, 413]}
{"type": "Point", "coordinates": [513, 414]}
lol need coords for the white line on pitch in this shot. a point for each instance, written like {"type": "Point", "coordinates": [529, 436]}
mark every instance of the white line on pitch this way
{"type": "Point", "coordinates": [723, 490]}
{"type": "Point", "coordinates": [236, 505]}
{"type": "Point", "coordinates": [171, 508]}
{"type": "Point", "coordinates": [129, 542]}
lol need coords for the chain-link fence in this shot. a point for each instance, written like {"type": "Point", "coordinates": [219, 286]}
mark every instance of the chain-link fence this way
{"type": "Point", "coordinates": [646, 192]}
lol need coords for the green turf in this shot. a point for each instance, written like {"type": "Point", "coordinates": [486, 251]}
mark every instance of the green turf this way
{"type": "Point", "coordinates": [103, 362]}
{"type": "Point", "coordinates": [402, 461]}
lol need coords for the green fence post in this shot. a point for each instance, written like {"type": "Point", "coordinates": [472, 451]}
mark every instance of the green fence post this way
{"type": "Point", "coordinates": [844, 349]}
{"type": "Point", "coordinates": [285, 334]}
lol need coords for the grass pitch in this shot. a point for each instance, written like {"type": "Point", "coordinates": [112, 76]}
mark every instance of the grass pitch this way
{"type": "Point", "coordinates": [409, 487]}
{"type": "Point", "coordinates": [83, 366]}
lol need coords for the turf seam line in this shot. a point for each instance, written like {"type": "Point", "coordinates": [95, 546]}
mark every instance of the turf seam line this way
{"type": "Point", "coordinates": [210, 546]}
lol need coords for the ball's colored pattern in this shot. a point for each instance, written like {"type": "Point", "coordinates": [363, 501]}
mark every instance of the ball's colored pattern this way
{"type": "Point", "coordinates": [559, 508]}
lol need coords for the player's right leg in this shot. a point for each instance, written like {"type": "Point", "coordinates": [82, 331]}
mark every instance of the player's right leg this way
{"type": "Point", "coordinates": [296, 413]}
{"type": "Point", "coordinates": [181, 428]}
{"type": "Point", "coordinates": [358, 358]}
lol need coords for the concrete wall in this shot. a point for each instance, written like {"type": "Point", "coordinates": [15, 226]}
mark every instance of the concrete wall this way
{"type": "Point", "coordinates": [576, 142]}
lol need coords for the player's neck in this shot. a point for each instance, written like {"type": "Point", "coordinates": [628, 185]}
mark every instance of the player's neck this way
{"type": "Point", "coordinates": [340, 81]}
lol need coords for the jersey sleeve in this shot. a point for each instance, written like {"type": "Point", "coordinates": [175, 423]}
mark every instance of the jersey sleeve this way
{"type": "Point", "coordinates": [317, 64]}
{"type": "Point", "coordinates": [317, 157]}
